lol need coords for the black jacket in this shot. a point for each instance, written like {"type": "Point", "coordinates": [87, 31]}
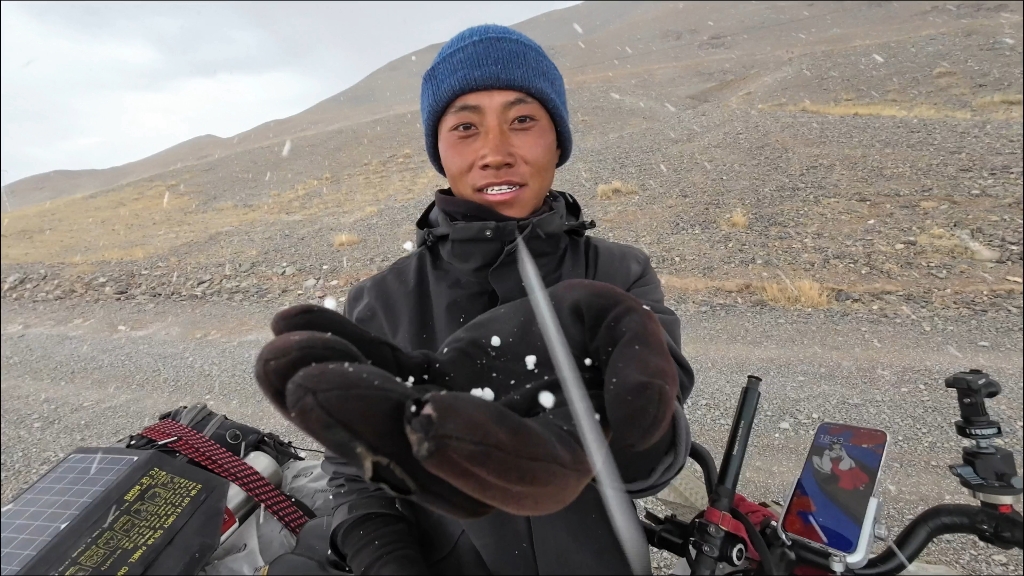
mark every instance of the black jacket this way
{"type": "Point", "coordinates": [464, 265]}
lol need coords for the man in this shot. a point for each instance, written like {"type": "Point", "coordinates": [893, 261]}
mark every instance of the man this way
{"type": "Point", "coordinates": [496, 126]}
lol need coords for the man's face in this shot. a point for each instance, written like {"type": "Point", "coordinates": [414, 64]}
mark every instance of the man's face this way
{"type": "Point", "coordinates": [499, 148]}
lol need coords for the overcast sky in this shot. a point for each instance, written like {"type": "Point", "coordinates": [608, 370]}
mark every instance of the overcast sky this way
{"type": "Point", "coordinates": [94, 85]}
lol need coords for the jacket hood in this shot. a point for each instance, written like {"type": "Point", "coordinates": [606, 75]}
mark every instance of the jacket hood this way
{"type": "Point", "coordinates": [434, 225]}
{"type": "Point", "coordinates": [476, 246]}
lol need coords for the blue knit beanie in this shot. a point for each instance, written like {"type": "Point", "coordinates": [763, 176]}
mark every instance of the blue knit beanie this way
{"type": "Point", "coordinates": [492, 57]}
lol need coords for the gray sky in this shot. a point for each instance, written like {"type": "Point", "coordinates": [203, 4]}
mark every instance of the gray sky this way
{"type": "Point", "coordinates": [94, 85]}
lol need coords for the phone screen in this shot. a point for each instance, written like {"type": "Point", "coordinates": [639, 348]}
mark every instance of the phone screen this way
{"type": "Point", "coordinates": [830, 500]}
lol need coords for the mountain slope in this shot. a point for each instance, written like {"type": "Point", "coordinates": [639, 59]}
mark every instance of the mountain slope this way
{"type": "Point", "coordinates": [707, 52]}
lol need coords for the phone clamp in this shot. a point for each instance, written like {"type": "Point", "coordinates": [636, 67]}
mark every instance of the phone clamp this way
{"type": "Point", "coordinates": [988, 472]}
{"type": "Point", "coordinates": [837, 562]}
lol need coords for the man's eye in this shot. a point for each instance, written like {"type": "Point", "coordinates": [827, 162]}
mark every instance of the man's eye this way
{"type": "Point", "coordinates": [464, 127]}
{"type": "Point", "coordinates": [522, 120]}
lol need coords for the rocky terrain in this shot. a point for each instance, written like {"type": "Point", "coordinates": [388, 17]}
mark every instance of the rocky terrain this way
{"type": "Point", "coordinates": [832, 195]}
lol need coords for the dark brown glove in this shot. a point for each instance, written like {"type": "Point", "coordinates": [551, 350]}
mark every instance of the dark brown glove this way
{"type": "Point", "coordinates": [424, 424]}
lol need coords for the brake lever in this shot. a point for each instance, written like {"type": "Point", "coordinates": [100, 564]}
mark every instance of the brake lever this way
{"type": "Point", "coordinates": [617, 502]}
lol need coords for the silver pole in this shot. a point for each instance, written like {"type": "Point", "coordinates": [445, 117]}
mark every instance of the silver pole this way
{"type": "Point", "coordinates": [619, 505]}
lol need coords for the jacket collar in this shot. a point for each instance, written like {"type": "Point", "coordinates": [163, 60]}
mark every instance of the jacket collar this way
{"type": "Point", "coordinates": [477, 246]}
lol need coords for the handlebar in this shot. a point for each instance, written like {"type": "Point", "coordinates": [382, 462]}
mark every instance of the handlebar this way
{"type": "Point", "coordinates": [1004, 529]}
{"type": "Point", "coordinates": [721, 534]}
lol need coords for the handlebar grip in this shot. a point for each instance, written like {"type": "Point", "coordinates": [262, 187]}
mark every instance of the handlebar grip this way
{"type": "Point", "coordinates": [936, 521]}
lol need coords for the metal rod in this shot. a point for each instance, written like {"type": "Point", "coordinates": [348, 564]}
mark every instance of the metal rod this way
{"type": "Point", "coordinates": [711, 537]}
{"type": "Point", "coordinates": [619, 505]}
{"type": "Point", "coordinates": [736, 446]}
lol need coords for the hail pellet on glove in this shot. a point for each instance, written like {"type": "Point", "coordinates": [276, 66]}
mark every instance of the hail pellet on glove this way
{"type": "Point", "coordinates": [480, 423]}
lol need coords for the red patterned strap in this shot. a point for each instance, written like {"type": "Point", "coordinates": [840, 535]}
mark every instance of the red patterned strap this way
{"type": "Point", "coordinates": [726, 522]}
{"type": "Point", "coordinates": [216, 459]}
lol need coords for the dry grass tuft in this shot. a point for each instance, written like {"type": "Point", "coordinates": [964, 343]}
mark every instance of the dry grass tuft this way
{"type": "Point", "coordinates": [998, 106]}
{"type": "Point", "coordinates": [942, 72]}
{"type": "Point", "coordinates": [616, 188]}
{"type": "Point", "coordinates": [1001, 105]}
{"type": "Point", "coordinates": [694, 284]}
{"type": "Point", "coordinates": [850, 108]}
{"type": "Point", "coordinates": [1000, 99]}
{"type": "Point", "coordinates": [941, 241]}
{"type": "Point", "coordinates": [799, 294]}
{"type": "Point", "coordinates": [738, 220]}
{"type": "Point", "coordinates": [343, 240]}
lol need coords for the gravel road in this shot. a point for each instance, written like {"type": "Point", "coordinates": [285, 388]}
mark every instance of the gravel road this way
{"type": "Point", "coordinates": [79, 374]}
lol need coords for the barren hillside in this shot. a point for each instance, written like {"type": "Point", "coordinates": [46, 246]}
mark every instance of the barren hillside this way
{"type": "Point", "coordinates": [868, 153]}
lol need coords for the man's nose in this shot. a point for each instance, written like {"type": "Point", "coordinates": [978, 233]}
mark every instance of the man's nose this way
{"type": "Point", "coordinates": [497, 152]}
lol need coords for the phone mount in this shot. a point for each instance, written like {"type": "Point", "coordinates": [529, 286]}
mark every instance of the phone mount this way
{"type": "Point", "coordinates": [988, 472]}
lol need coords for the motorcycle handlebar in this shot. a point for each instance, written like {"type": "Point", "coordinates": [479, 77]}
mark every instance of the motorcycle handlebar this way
{"type": "Point", "coordinates": [989, 525]}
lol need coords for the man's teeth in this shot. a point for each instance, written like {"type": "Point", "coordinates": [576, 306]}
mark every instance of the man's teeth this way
{"type": "Point", "coordinates": [501, 189]}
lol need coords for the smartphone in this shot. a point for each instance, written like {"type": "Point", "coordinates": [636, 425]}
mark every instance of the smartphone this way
{"type": "Point", "coordinates": [832, 504]}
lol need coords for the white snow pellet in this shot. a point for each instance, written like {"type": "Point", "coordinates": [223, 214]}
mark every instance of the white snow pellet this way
{"type": "Point", "coordinates": [646, 307]}
{"type": "Point", "coordinates": [331, 303]}
{"type": "Point", "coordinates": [597, 416]}
{"type": "Point", "coordinates": [488, 395]}
{"type": "Point", "coordinates": [478, 392]}
{"type": "Point", "coordinates": [588, 361]}
{"type": "Point", "coordinates": [410, 381]}
{"type": "Point", "coordinates": [409, 246]}
{"type": "Point", "coordinates": [546, 399]}
{"type": "Point", "coordinates": [495, 341]}
{"type": "Point", "coordinates": [531, 362]}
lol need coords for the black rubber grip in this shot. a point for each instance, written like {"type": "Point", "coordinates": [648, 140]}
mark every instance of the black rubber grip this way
{"type": "Point", "coordinates": [936, 521]}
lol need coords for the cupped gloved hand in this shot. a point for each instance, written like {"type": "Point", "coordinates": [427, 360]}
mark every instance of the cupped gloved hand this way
{"type": "Point", "coordinates": [481, 423]}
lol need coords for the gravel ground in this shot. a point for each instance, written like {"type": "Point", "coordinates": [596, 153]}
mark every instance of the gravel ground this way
{"type": "Point", "coordinates": [79, 374]}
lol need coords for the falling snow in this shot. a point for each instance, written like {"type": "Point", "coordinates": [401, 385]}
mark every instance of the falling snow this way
{"type": "Point", "coordinates": [670, 107]}
{"type": "Point", "coordinates": [614, 95]}
{"type": "Point", "coordinates": [531, 362]}
{"type": "Point", "coordinates": [167, 196]}
{"type": "Point", "coordinates": [546, 399]}
{"type": "Point", "coordinates": [409, 246]}
{"type": "Point", "coordinates": [495, 341]}
{"type": "Point", "coordinates": [663, 169]}
{"type": "Point", "coordinates": [581, 44]}
{"type": "Point", "coordinates": [331, 303]}
{"type": "Point", "coordinates": [577, 27]}
{"type": "Point", "coordinates": [485, 393]}
{"type": "Point", "coordinates": [588, 362]}
{"type": "Point", "coordinates": [879, 58]}
{"type": "Point", "coordinates": [287, 148]}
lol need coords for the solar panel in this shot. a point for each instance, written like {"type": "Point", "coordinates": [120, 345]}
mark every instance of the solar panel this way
{"type": "Point", "coordinates": [41, 512]}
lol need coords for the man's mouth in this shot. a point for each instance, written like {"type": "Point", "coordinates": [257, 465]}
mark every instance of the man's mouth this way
{"type": "Point", "coordinates": [504, 189]}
